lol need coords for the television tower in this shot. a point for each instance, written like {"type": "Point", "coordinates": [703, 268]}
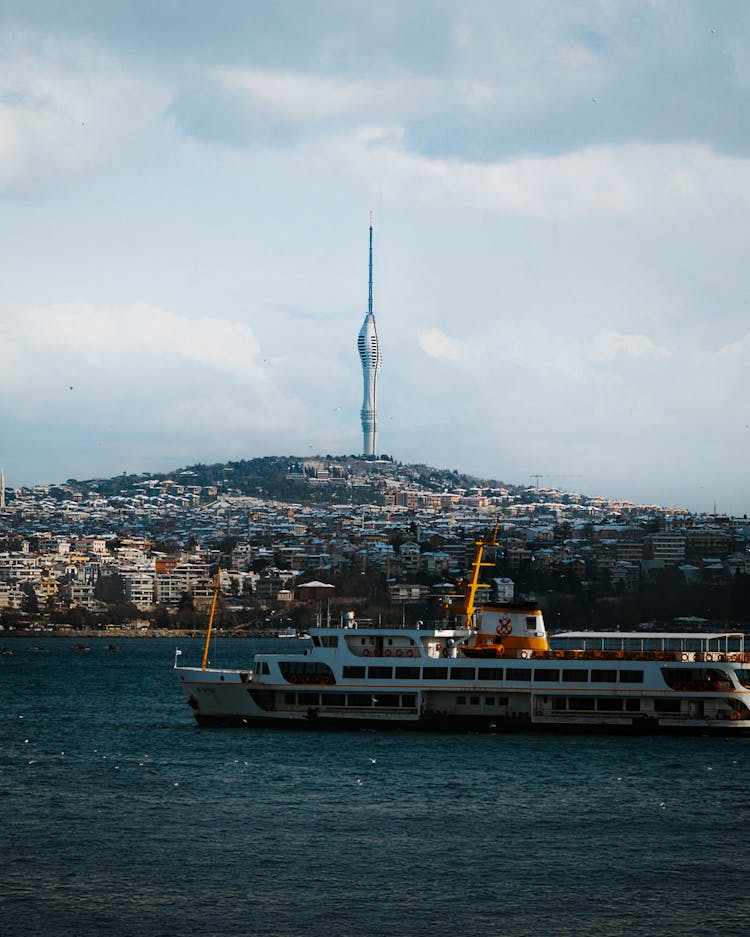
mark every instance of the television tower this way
{"type": "Point", "coordinates": [369, 355]}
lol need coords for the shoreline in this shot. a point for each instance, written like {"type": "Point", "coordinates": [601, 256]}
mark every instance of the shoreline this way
{"type": "Point", "coordinates": [109, 634]}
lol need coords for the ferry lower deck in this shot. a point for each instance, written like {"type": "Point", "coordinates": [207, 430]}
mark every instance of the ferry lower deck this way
{"type": "Point", "coordinates": [463, 695]}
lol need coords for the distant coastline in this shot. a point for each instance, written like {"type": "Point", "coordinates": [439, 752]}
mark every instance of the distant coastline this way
{"type": "Point", "coordinates": [130, 634]}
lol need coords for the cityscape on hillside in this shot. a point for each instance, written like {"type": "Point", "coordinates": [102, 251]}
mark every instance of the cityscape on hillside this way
{"type": "Point", "coordinates": [391, 541]}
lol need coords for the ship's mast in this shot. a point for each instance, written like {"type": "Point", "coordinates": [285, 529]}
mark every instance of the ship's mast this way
{"type": "Point", "coordinates": [468, 608]}
{"type": "Point", "coordinates": [211, 620]}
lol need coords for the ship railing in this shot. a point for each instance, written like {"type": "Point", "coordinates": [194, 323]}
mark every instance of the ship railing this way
{"type": "Point", "coordinates": [670, 655]}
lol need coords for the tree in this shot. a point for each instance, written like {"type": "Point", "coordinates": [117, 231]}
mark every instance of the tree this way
{"type": "Point", "coordinates": [110, 588]}
{"type": "Point", "coordinates": [29, 602]}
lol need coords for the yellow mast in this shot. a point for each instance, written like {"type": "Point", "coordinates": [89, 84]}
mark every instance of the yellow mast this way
{"type": "Point", "coordinates": [468, 608]}
{"type": "Point", "coordinates": [211, 620]}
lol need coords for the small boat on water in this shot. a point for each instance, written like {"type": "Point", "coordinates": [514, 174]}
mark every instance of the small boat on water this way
{"type": "Point", "coordinates": [287, 633]}
{"type": "Point", "coordinates": [494, 668]}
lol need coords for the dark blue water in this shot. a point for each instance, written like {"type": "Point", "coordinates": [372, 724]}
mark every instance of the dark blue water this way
{"type": "Point", "coordinates": [118, 815]}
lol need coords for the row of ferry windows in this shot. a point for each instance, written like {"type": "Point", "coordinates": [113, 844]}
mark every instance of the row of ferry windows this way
{"type": "Point", "coordinates": [381, 701]}
{"type": "Point", "coordinates": [572, 704]}
{"type": "Point", "coordinates": [537, 675]}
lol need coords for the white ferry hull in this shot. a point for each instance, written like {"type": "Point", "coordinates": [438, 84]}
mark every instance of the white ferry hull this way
{"type": "Point", "coordinates": [234, 697]}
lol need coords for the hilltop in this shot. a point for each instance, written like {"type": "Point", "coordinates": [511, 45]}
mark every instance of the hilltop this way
{"type": "Point", "coordinates": [311, 479]}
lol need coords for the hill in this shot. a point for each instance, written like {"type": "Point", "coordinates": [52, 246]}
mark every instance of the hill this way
{"type": "Point", "coordinates": [293, 478]}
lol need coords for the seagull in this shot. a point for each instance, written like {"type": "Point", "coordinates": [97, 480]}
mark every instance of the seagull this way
{"type": "Point", "coordinates": [373, 760]}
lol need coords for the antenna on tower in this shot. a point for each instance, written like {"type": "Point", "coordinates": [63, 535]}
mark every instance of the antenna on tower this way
{"type": "Point", "coordinates": [369, 300]}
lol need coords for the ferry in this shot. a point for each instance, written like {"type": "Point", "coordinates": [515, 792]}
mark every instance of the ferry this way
{"type": "Point", "coordinates": [494, 668]}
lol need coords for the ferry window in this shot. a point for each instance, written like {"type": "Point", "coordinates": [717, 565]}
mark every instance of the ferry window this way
{"type": "Point", "coordinates": [581, 702]}
{"type": "Point", "coordinates": [531, 623]}
{"type": "Point", "coordinates": [609, 704]}
{"type": "Point", "coordinates": [354, 671]}
{"type": "Point", "coordinates": [409, 700]}
{"type": "Point", "coordinates": [334, 699]}
{"type": "Point", "coordinates": [462, 673]}
{"type": "Point", "coordinates": [559, 702]}
{"type": "Point", "coordinates": [385, 700]}
{"type": "Point", "coordinates": [696, 678]}
{"type": "Point", "coordinates": [407, 673]}
{"type": "Point", "coordinates": [668, 705]}
{"type": "Point", "coordinates": [380, 673]}
{"type": "Point", "coordinates": [632, 705]}
{"type": "Point", "coordinates": [330, 640]}
{"type": "Point", "coordinates": [308, 699]}
{"type": "Point", "coordinates": [290, 698]}
{"type": "Point", "coordinates": [460, 701]}
{"type": "Point", "coordinates": [604, 676]}
{"type": "Point", "coordinates": [316, 640]}
{"type": "Point", "coordinates": [490, 673]}
{"type": "Point", "coordinates": [575, 676]}
{"type": "Point", "coordinates": [306, 672]}
{"type": "Point", "coordinates": [489, 701]}
{"type": "Point", "coordinates": [631, 676]}
{"type": "Point", "coordinates": [743, 676]}
{"type": "Point", "coordinates": [547, 674]}
{"type": "Point", "coordinates": [435, 673]}
{"type": "Point", "coordinates": [474, 700]}
{"type": "Point", "coordinates": [517, 673]}
{"type": "Point", "coordinates": [359, 699]}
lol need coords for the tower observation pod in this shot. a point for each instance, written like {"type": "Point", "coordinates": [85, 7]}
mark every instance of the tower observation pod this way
{"type": "Point", "coordinates": [369, 355]}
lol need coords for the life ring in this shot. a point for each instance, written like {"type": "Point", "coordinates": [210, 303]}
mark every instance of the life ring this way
{"type": "Point", "coordinates": [685, 656]}
{"type": "Point", "coordinates": [399, 653]}
{"type": "Point", "coordinates": [525, 654]}
{"type": "Point", "coordinates": [708, 656]}
{"type": "Point", "coordinates": [410, 653]}
{"type": "Point", "coordinates": [365, 653]}
{"type": "Point", "coordinates": [735, 714]}
{"type": "Point", "coordinates": [386, 653]}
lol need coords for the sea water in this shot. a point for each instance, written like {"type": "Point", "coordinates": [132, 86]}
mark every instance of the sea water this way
{"type": "Point", "coordinates": [119, 815]}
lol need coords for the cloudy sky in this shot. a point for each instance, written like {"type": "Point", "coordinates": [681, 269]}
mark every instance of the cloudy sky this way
{"type": "Point", "coordinates": [561, 196]}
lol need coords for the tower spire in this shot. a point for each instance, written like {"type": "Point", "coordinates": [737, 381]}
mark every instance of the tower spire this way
{"type": "Point", "coordinates": [369, 299]}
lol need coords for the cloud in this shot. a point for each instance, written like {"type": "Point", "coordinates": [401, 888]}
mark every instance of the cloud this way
{"type": "Point", "coordinates": [80, 334]}
{"type": "Point", "coordinates": [142, 366]}
{"type": "Point", "coordinates": [737, 350]}
{"type": "Point", "coordinates": [436, 344]}
{"type": "Point", "coordinates": [631, 181]}
{"type": "Point", "coordinates": [610, 344]}
{"type": "Point", "coordinates": [65, 103]}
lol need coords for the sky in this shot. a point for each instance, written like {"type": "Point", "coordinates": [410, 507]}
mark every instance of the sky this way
{"type": "Point", "coordinates": [560, 197]}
